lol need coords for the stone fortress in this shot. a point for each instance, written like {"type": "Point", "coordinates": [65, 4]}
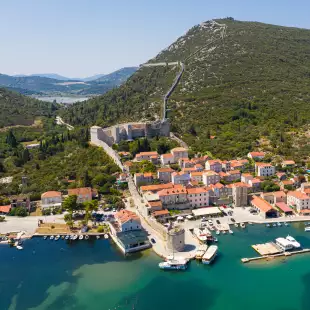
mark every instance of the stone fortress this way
{"type": "Point", "coordinates": [130, 131]}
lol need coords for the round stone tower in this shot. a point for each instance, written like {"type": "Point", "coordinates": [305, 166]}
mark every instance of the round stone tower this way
{"type": "Point", "coordinates": [176, 239]}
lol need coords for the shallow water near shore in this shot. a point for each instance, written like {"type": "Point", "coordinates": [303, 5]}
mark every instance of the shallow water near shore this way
{"type": "Point", "coordinates": [93, 274]}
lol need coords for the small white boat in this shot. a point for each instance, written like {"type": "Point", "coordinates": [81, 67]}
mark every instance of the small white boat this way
{"type": "Point", "coordinates": [250, 223]}
{"type": "Point", "coordinates": [210, 255]}
{"type": "Point", "coordinates": [215, 239]}
{"type": "Point", "coordinates": [286, 224]}
{"type": "Point", "coordinates": [274, 225]}
{"type": "Point", "coordinates": [86, 237]}
{"type": "Point", "coordinates": [106, 236]}
{"type": "Point", "coordinates": [67, 237]}
{"type": "Point", "coordinates": [236, 225]}
{"type": "Point", "coordinates": [173, 264]}
{"type": "Point", "coordinates": [19, 247]}
{"type": "Point", "coordinates": [81, 237]}
{"type": "Point", "coordinates": [293, 241]}
{"type": "Point", "coordinates": [97, 237]}
{"type": "Point", "coordinates": [231, 232]}
{"type": "Point", "coordinates": [57, 237]}
{"type": "Point", "coordinates": [200, 234]}
{"type": "Point", "coordinates": [224, 232]}
{"type": "Point", "coordinates": [242, 225]}
{"type": "Point", "coordinates": [75, 237]}
{"type": "Point", "coordinates": [307, 229]}
{"type": "Point", "coordinates": [279, 224]}
{"type": "Point", "coordinates": [217, 232]}
{"type": "Point", "coordinates": [51, 237]}
{"type": "Point", "coordinates": [45, 237]}
{"type": "Point", "coordinates": [267, 225]}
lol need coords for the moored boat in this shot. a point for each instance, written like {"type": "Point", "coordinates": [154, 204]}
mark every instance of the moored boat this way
{"type": "Point", "coordinates": [236, 225]}
{"type": "Point", "coordinates": [86, 237]}
{"type": "Point", "coordinates": [75, 237]}
{"type": "Point", "coordinates": [97, 237]}
{"type": "Point", "coordinates": [267, 225]}
{"type": "Point", "coordinates": [274, 225]}
{"type": "Point", "coordinates": [174, 264]}
{"type": "Point", "coordinates": [19, 247]}
{"type": "Point", "coordinates": [51, 237]}
{"type": "Point", "coordinates": [242, 225]}
{"type": "Point", "coordinates": [45, 237]}
{"type": "Point", "coordinates": [57, 237]}
{"type": "Point", "coordinates": [217, 232]}
{"type": "Point", "coordinates": [201, 251]}
{"type": "Point", "coordinates": [293, 241]}
{"type": "Point", "coordinates": [231, 232]}
{"type": "Point", "coordinates": [210, 255]}
{"type": "Point", "coordinates": [200, 234]}
{"type": "Point", "coordinates": [106, 236]}
{"type": "Point", "coordinates": [307, 229]}
{"type": "Point", "coordinates": [279, 224]}
{"type": "Point", "coordinates": [67, 237]}
{"type": "Point", "coordinates": [81, 237]}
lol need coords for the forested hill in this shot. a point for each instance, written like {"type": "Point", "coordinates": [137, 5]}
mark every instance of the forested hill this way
{"type": "Point", "coordinates": [17, 109]}
{"type": "Point", "coordinates": [243, 82]}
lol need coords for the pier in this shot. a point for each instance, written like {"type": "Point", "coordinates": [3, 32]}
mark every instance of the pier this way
{"type": "Point", "coordinates": [272, 256]}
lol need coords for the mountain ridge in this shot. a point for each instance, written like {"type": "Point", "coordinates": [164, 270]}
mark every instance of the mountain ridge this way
{"type": "Point", "coordinates": [248, 84]}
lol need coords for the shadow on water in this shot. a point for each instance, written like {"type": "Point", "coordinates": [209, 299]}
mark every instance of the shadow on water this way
{"type": "Point", "coordinates": [28, 274]}
{"type": "Point", "coordinates": [191, 294]}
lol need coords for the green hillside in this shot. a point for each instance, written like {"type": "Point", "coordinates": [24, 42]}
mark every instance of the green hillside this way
{"type": "Point", "coordinates": [17, 109]}
{"type": "Point", "coordinates": [240, 85]}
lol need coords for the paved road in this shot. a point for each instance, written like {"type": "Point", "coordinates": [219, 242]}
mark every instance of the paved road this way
{"type": "Point", "coordinates": [175, 138]}
{"type": "Point", "coordinates": [60, 121]}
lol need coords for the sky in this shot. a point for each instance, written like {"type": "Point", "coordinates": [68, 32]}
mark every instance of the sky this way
{"type": "Point", "coordinates": [79, 38]}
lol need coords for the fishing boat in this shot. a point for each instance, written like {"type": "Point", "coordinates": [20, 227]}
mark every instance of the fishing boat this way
{"type": "Point", "coordinates": [57, 237]}
{"type": "Point", "coordinates": [293, 241]}
{"type": "Point", "coordinates": [106, 236]}
{"type": "Point", "coordinates": [210, 255]}
{"type": "Point", "coordinates": [45, 237]}
{"type": "Point", "coordinates": [86, 237]}
{"type": "Point", "coordinates": [279, 224]}
{"type": "Point", "coordinates": [97, 237]}
{"type": "Point", "coordinates": [236, 225]}
{"type": "Point", "coordinates": [81, 237]}
{"type": "Point", "coordinates": [51, 237]}
{"type": "Point", "coordinates": [242, 225]}
{"type": "Point", "coordinates": [174, 264]}
{"type": "Point", "coordinates": [231, 232]}
{"type": "Point", "coordinates": [217, 232]}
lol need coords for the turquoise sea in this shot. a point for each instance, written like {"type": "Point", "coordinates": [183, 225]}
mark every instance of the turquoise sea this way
{"type": "Point", "coordinates": [95, 275]}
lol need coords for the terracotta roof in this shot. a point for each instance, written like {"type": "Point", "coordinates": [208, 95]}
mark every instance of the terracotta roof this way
{"type": "Point", "coordinates": [307, 191]}
{"type": "Point", "coordinates": [147, 174]}
{"type": "Point", "coordinates": [160, 212]}
{"type": "Point", "coordinates": [263, 165]}
{"type": "Point", "coordinates": [247, 175]}
{"type": "Point", "coordinates": [167, 155]}
{"type": "Point", "coordinates": [240, 184]}
{"type": "Point", "coordinates": [261, 204]}
{"type": "Point", "coordinates": [217, 185]}
{"type": "Point", "coordinates": [189, 169]}
{"type": "Point", "coordinates": [80, 191]}
{"type": "Point", "coordinates": [234, 172]}
{"type": "Point", "coordinates": [287, 182]}
{"type": "Point", "coordinates": [154, 156]}
{"type": "Point", "coordinates": [284, 207]}
{"type": "Point", "coordinates": [198, 190]}
{"type": "Point", "coordinates": [156, 187]}
{"type": "Point", "coordinates": [156, 203]}
{"type": "Point", "coordinates": [172, 191]}
{"type": "Point", "coordinates": [51, 194]}
{"type": "Point", "coordinates": [209, 172]}
{"type": "Point", "coordinates": [5, 209]}
{"type": "Point", "coordinates": [288, 162]}
{"type": "Point", "coordinates": [147, 154]}
{"type": "Point", "coordinates": [125, 215]}
{"type": "Point", "coordinates": [223, 174]}
{"type": "Point", "coordinates": [165, 170]}
{"type": "Point", "coordinates": [179, 149]}
{"type": "Point", "coordinates": [128, 163]}
{"type": "Point", "coordinates": [279, 194]}
{"type": "Point", "coordinates": [304, 211]}
{"type": "Point", "coordinates": [298, 195]}
{"type": "Point", "coordinates": [213, 162]}
{"type": "Point", "coordinates": [257, 154]}
{"type": "Point", "coordinates": [196, 173]}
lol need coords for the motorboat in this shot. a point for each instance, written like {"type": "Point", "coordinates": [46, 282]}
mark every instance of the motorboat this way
{"type": "Point", "coordinates": [174, 264]}
{"type": "Point", "coordinates": [19, 247]}
{"type": "Point", "coordinates": [285, 224]}
{"type": "Point", "coordinates": [210, 255]}
{"type": "Point", "coordinates": [57, 237]}
{"type": "Point", "coordinates": [215, 239]}
{"type": "Point", "coordinates": [217, 232]}
{"type": "Point", "coordinates": [62, 237]}
{"type": "Point", "coordinates": [81, 237]}
{"type": "Point", "coordinates": [51, 237]}
{"type": "Point", "coordinates": [200, 234]}
{"type": "Point", "coordinates": [67, 237]}
{"type": "Point", "coordinates": [274, 225]}
{"type": "Point", "coordinates": [307, 228]}
{"type": "Point", "coordinates": [86, 237]}
{"type": "Point", "coordinates": [231, 232]}
{"type": "Point", "coordinates": [279, 224]}
{"type": "Point", "coordinates": [250, 223]}
{"type": "Point", "coordinates": [236, 225]}
{"type": "Point", "coordinates": [201, 251]}
{"type": "Point", "coordinates": [267, 225]}
{"type": "Point", "coordinates": [224, 232]}
{"type": "Point", "coordinates": [293, 241]}
{"type": "Point", "coordinates": [45, 237]}
{"type": "Point", "coordinates": [97, 237]}
{"type": "Point", "coordinates": [106, 236]}
{"type": "Point", "coordinates": [75, 237]}
{"type": "Point", "coordinates": [242, 225]}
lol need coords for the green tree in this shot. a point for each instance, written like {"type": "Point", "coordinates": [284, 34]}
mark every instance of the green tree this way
{"type": "Point", "coordinates": [11, 139]}
{"type": "Point", "coordinates": [70, 203]}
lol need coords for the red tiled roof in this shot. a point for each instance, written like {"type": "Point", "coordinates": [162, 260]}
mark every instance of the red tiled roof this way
{"type": "Point", "coordinates": [166, 155]}
{"type": "Point", "coordinates": [263, 164]}
{"type": "Point", "coordinates": [257, 154]}
{"type": "Point", "coordinates": [5, 209]}
{"type": "Point", "coordinates": [279, 194]}
{"type": "Point", "coordinates": [198, 190]}
{"type": "Point", "coordinates": [156, 203]}
{"type": "Point", "coordinates": [172, 191]}
{"type": "Point", "coordinates": [283, 206]}
{"type": "Point", "coordinates": [156, 187]}
{"type": "Point", "coordinates": [125, 215]}
{"type": "Point", "coordinates": [160, 212]}
{"type": "Point", "coordinates": [80, 191]}
{"type": "Point", "coordinates": [298, 195]}
{"type": "Point", "coordinates": [51, 194]}
{"type": "Point", "coordinates": [261, 204]}
{"type": "Point", "coordinates": [179, 149]}
{"type": "Point", "coordinates": [165, 170]}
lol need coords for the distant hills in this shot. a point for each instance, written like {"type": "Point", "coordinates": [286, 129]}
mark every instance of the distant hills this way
{"type": "Point", "coordinates": [246, 84]}
{"type": "Point", "coordinates": [54, 84]}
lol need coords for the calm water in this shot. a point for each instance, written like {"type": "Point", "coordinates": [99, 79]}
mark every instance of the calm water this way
{"type": "Point", "coordinates": [94, 275]}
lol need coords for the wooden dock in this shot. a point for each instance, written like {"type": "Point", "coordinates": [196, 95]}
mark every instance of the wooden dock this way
{"type": "Point", "coordinates": [268, 257]}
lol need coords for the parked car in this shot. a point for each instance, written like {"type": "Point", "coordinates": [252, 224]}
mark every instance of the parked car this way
{"type": "Point", "coordinates": [153, 240]}
{"type": "Point", "coordinates": [218, 222]}
{"type": "Point", "coordinates": [233, 220]}
{"type": "Point", "coordinates": [107, 209]}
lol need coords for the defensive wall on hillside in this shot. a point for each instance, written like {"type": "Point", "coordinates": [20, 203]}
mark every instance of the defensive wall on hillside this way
{"type": "Point", "coordinates": [129, 131]}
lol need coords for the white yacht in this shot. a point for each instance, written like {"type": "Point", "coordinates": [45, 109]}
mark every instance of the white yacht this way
{"type": "Point", "coordinates": [200, 234]}
{"type": "Point", "coordinates": [210, 255]}
{"type": "Point", "coordinates": [231, 232]}
{"type": "Point", "coordinates": [307, 229]}
{"type": "Point", "coordinates": [174, 264]}
{"type": "Point", "coordinates": [293, 241]}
